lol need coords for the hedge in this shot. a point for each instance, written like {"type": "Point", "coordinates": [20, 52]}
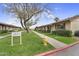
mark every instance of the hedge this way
{"type": "Point", "coordinates": [48, 31]}
{"type": "Point", "coordinates": [3, 31]}
{"type": "Point", "coordinates": [66, 33]}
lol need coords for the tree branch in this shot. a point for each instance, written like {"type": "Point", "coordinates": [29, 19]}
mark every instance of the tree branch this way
{"type": "Point", "coordinates": [33, 15]}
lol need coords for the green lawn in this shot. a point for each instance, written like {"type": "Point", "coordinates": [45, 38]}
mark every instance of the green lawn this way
{"type": "Point", "coordinates": [4, 34]}
{"type": "Point", "coordinates": [32, 45]}
{"type": "Point", "coordinates": [66, 40]}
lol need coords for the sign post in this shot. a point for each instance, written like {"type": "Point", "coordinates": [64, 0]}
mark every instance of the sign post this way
{"type": "Point", "coordinates": [11, 40]}
{"type": "Point", "coordinates": [20, 39]}
{"type": "Point", "coordinates": [16, 34]}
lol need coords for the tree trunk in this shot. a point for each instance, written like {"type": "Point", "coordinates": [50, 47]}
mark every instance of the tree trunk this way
{"type": "Point", "coordinates": [24, 26]}
{"type": "Point", "coordinates": [27, 30]}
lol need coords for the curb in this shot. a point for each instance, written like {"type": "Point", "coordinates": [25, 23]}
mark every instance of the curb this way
{"type": "Point", "coordinates": [56, 50]}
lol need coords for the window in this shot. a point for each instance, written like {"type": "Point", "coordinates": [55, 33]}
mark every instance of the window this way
{"type": "Point", "coordinates": [60, 26]}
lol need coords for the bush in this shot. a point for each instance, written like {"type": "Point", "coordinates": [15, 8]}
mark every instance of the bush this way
{"type": "Point", "coordinates": [44, 31]}
{"type": "Point", "coordinates": [76, 33]}
{"type": "Point", "coordinates": [10, 30]}
{"type": "Point", "coordinates": [3, 31]}
{"type": "Point", "coordinates": [54, 32]}
{"type": "Point", "coordinates": [48, 31]}
{"type": "Point", "coordinates": [66, 33]}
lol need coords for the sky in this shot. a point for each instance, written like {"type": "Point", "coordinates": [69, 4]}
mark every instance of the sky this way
{"type": "Point", "coordinates": [60, 10]}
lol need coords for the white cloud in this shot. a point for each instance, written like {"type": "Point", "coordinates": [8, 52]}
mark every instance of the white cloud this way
{"type": "Point", "coordinates": [56, 8]}
{"type": "Point", "coordinates": [38, 24]}
{"type": "Point", "coordinates": [4, 5]}
{"type": "Point", "coordinates": [50, 16]}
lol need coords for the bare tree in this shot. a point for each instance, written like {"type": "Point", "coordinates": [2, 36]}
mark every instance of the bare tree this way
{"type": "Point", "coordinates": [25, 12]}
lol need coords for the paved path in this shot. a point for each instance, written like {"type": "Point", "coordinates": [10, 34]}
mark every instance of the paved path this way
{"type": "Point", "coordinates": [53, 42]}
{"type": "Point", "coordinates": [72, 51]}
{"type": "Point", "coordinates": [4, 36]}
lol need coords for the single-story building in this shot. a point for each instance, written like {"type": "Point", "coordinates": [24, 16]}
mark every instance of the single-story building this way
{"type": "Point", "coordinates": [4, 26]}
{"type": "Point", "coordinates": [71, 23]}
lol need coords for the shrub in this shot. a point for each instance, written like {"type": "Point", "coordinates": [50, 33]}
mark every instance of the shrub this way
{"type": "Point", "coordinates": [3, 31]}
{"type": "Point", "coordinates": [76, 33]}
{"type": "Point", "coordinates": [44, 30]}
{"type": "Point", "coordinates": [41, 30]}
{"type": "Point", "coordinates": [66, 33]}
{"type": "Point", "coordinates": [10, 30]}
{"type": "Point", "coordinates": [54, 32]}
{"type": "Point", "coordinates": [48, 31]}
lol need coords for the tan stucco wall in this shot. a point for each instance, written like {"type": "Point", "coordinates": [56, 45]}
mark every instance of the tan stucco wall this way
{"type": "Point", "coordinates": [75, 25]}
{"type": "Point", "coordinates": [3, 27]}
{"type": "Point", "coordinates": [0, 27]}
{"type": "Point", "coordinates": [72, 25]}
{"type": "Point", "coordinates": [45, 28]}
{"type": "Point", "coordinates": [68, 25]}
{"type": "Point", "coordinates": [7, 27]}
{"type": "Point", "coordinates": [52, 27]}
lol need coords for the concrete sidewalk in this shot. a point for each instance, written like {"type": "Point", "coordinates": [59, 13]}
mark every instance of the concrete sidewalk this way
{"type": "Point", "coordinates": [52, 41]}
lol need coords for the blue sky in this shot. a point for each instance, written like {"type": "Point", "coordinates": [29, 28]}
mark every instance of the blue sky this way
{"type": "Point", "coordinates": [61, 10]}
{"type": "Point", "coordinates": [7, 18]}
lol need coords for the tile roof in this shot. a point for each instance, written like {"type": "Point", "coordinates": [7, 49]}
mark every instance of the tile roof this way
{"type": "Point", "coordinates": [8, 25]}
{"type": "Point", "coordinates": [63, 20]}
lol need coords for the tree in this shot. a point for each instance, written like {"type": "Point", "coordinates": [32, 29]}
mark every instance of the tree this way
{"type": "Point", "coordinates": [56, 19]}
{"type": "Point", "coordinates": [25, 12]}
